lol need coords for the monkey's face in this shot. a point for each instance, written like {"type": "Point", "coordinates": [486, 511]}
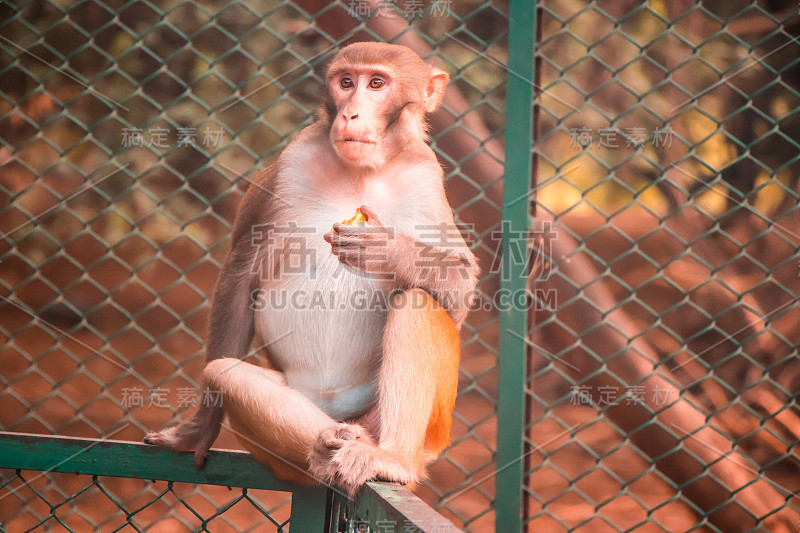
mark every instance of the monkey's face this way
{"type": "Point", "coordinates": [377, 98]}
{"type": "Point", "coordinates": [364, 105]}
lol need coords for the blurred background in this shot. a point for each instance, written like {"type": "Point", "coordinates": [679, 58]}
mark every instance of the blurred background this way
{"type": "Point", "coordinates": [664, 268]}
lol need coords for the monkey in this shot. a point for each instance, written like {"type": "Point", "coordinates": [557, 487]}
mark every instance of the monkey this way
{"type": "Point", "coordinates": [350, 392]}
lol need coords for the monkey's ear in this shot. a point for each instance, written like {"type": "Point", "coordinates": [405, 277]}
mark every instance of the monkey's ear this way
{"type": "Point", "coordinates": [434, 92]}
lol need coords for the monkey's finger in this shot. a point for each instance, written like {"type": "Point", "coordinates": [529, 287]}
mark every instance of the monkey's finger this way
{"type": "Point", "coordinates": [373, 219]}
{"type": "Point", "coordinates": [348, 257]}
{"type": "Point", "coordinates": [338, 227]}
{"type": "Point", "coordinates": [339, 250]}
{"type": "Point", "coordinates": [343, 229]}
{"type": "Point", "coordinates": [341, 241]}
{"type": "Point", "coordinates": [324, 445]}
{"type": "Point", "coordinates": [333, 239]}
{"type": "Point", "coordinates": [360, 230]}
{"type": "Point", "coordinates": [333, 443]}
{"type": "Point", "coordinates": [375, 242]}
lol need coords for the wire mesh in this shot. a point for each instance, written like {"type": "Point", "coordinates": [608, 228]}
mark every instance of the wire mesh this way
{"type": "Point", "coordinates": [665, 281]}
{"type": "Point", "coordinates": [72, 502]}
{"type": "Point", "coordinates": [662, 391]}
{"type": "Point", "coordinates": [128, 133]}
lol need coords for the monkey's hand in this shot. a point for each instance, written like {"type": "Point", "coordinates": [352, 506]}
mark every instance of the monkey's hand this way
{"type": "Point", "coordinates": [449, 275]}
{"type": "Point", "coordinates": [371, 248]}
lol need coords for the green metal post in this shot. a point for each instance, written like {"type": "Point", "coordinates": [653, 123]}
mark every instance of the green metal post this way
{"type": "Point", "coordinates": [308, 509]}
{"type": "Point", "coordinates": [513, 322]}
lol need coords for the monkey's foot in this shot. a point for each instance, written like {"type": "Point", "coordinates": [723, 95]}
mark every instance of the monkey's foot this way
{"type": "Point", "coordinates": [330, 441]}
{"type": "Point", "coordinates": [180, 438]}
{"type": "Point", "coordinates": [333, 438]}
{"type": "Point", "coordinates": [171, 438]}
{"type": "Point", "coordinates": [345, 456]}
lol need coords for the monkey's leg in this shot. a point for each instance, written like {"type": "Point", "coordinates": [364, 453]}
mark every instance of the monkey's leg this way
{"type": "Point", "coordinates": [274, 422]}
{"type": "Point", "coordinates": [417, 389]}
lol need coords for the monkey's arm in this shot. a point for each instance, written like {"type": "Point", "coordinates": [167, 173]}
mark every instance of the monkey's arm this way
{"type": "Point", "coordinates": [447, 271]}
{"type": "Point", "coordinates": [449, 275]}
{"type": "Point", "coordinates": [231, 324]}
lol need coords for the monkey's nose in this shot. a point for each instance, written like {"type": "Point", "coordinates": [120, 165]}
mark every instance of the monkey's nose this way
{"type": "Point", "coordinates": [351, 117]}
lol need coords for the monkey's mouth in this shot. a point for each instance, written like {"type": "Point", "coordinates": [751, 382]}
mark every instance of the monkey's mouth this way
{"type": "Point", "coordinates": [354, 140]}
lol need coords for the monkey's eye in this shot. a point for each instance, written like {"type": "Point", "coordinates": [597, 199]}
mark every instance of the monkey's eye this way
{"type": "Point", "coordinates": [376, 83]}
{"type": "Point", "coordinates": [346, 83]}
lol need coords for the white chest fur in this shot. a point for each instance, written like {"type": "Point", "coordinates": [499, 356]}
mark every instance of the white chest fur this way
{"type": "Point", "coordinates": [324, 322]}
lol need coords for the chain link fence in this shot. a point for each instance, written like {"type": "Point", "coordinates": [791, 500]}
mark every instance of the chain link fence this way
{"type": "Point", "coordinates": [662, 387]}
{"type": "Point", "coordinates": [663, 368]}
{"type": "Point", "coordinates": [69, 502]}
{"type": "Point", "coordinates": [128, 133]}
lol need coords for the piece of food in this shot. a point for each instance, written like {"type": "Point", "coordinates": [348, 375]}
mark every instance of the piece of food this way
{"type": "Point", "coordinates": [359, 219]}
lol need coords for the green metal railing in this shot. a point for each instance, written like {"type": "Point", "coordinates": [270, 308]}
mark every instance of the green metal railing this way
{"type": "Point", "coordinates": [100, 460]}
{"type": "Point", "coordinates": [631, 361]}
{"type": "Point", "coordinates": [378, 507]}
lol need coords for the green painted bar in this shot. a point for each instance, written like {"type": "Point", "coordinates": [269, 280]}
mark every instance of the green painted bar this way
{"type": "Point", "coordinates": [397, 509]}
{"type": "Point", "coordinates": [115, 458]}
{"type": "Point", "coordinates": [513, 322]}
{"type": "Point", "coordinates": [309, 509]}
{"type": "Point", "coordinates": [133, 459]}
{"type": "Point", "coordinates": [137, 460]}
